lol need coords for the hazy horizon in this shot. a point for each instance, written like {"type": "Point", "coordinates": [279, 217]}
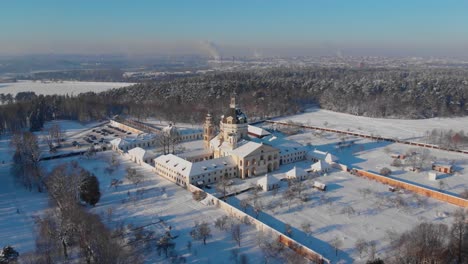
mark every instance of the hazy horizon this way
{"type": "Point", "coordinates": [240, 28]}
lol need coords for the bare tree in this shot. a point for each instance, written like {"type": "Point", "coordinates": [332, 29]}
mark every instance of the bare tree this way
{"type": "Point", "coordinates": [385, 171]}
{"type": "Point", "coordinates": [236, 233]}
{"type": "Point", "coordinates": [365, 192]}
{"type": "Point", "coordinates": [165, 244]}
{"type": "Point", "coordinates": [54, 136]}
{"type": "Point", "coordinates": [291, 257]}
{"type": "Point", "coordinates": [306, 227]}
{"type": "Point", "coordinates": [349, 210]}
{"type": "Point", "coordinates": [361, 246]}
{"type": "Point", "coordinates": [244, 203]}
{"type": "Point", "coordinates": [222, 222]}
{"type": "Point", "coordinates": [372, 249]}
{"type": "Point", "coordinates": [201, 232]}
{"type": "Point", "coordinates": [288, 230]}
{"type": "Point", "coordinates": [133, 176]}
{"type": "Point", "coordinates": [336, 244]}
{"type": "Point", "coordinates": [289, 195]}
{"type": "Point", "coordinates": [270, 246]}
{"type": "Point", "coordinates": [257, 207]}
{"type": "Point", "coordinates": [464, 194]}
{"type": "Point", "coordinates": [198, 195]}
{"type": "Point", "coordinates": [396, 163]}
{"type": "Point", "coordinates": [459, 233]}
{"type": "Point", "coordinates": [442, 185]}
{"type": "Point", "coordinates": [222, 186]}
{"type": "Point", "coordinates": [26, 167]}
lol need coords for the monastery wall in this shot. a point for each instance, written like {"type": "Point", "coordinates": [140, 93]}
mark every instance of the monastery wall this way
{"type": "Point", "coordinates": [287, 241]}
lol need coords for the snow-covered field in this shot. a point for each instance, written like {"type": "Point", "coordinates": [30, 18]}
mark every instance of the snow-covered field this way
{"type": "Point", "coordinates": [61, 87]}
{"type": "Point", "coordinates": [373, 156]}
{"type": "Point", "coordinates": [411, 130]}
{"type": "Point", "coordinates": [371, 218]}
{"type": "Point", "coordinates": [158, 199]}
{"type": "Point", "coordinates": [18, 206]}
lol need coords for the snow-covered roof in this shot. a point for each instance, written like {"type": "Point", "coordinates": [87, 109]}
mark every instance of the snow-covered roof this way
{"type": "Point", "coordinates": [212, 165]}
{"type": "Point", "coordinates": [267, 180]}
{"type": "Point", "coordinates": [258, 131]}
{"type": "Point", "coordinates": [330, 158]}
{"type": "Point", "coordinates": [141, 153]}
{"type": "Point", "coordinates": [246, 149]}
{"type": "Point", "coordinates": [195, 153]}
{"type": "Point", "coordinates": [176, 164]}
{"type": "Point", "coordinates": [317, 154]}
{"type": "Point", "coordinates": [295, 173]}
{"type": "Point", "coordinates": [187, 168]}
{"type": "Point", "coordinates": [319, 166]}
{"type": "Point", "coordinates": [284, 145]}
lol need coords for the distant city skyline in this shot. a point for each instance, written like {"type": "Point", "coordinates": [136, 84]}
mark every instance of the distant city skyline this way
{"type": "Point", "coordinates": [235, 28]}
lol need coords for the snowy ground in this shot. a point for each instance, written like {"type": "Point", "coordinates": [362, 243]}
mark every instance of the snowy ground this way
{"type": "Point", "coordinates": [158, 200]}
{"type": "Point", "coordinates": [410, 130]}
{"type": "Point", "coordinates": [373, 156]}
{"type": "Point", "coordinates": [164, 200]}
{"type": "Point", "coordinates": [17, 206]}
{"type": "Point", "coordinates": [374, 215]}
{"type": "Point", "coordinates": [62, 87]}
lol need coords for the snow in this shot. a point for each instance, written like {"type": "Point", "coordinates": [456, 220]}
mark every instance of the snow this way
{"type": "Point", "coordinates": [61, 88]}
{"type": "Point", "coordinates": [18, 206]}
{"type": "Point", "coordinates": [161, 200]}
{"type": "Point", "coordinates": [324, 211]}
{"type": "Point", "coordinates": [410, 130]}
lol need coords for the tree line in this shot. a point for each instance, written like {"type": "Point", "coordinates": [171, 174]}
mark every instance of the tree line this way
{"type": "Point", "coordinates": [376, 92]}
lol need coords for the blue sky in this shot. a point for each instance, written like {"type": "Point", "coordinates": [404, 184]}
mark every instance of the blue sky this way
{"type": "Point", "coordinates": [141, 26]}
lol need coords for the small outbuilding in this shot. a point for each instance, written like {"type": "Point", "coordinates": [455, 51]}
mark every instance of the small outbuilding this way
{"type": "Point", "coordinates": [268, 183]}
{"type": "Point", "coordinates": [320, 167]}
{"type": "Point", "coordinates": [296, 174]}
{"type": "Point", "coordinates": [320, 186]}
{"type": "Point", "coordinates": [330, 158]}
{"type": "Point", "coordinates": [140, 156]}
{"type": "Point", "coordinates": [433, 176]}
{"type": "Point", "coordinates": [442, 167]}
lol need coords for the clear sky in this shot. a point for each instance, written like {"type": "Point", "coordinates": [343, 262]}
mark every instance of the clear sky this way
{"type": "Point", "coordinates": [409, 27]}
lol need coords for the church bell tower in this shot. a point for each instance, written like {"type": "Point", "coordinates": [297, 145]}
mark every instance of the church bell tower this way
{"type": "Point", "coordinates": [208, 131]}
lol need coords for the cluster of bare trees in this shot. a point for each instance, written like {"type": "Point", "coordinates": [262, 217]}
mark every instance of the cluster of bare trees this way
{"type": "Point", "coordinates": [26, 167]}
{"type": "Point", "coordinates": [273, 250]}
{"type": "Point", "coordinates": [54, 137]}
{"type": "Point", "coordinates": [433, 243]}
{"type": "Point", "coordinates": [169, 139]}
{"type": "Point", "coordinates": [447, 138]}
{"type": "Point", "coordinates": [68, 231]}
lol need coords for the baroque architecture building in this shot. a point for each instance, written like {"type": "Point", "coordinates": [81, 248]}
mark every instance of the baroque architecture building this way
{"type": "Point", "coordinates": [236, 150]}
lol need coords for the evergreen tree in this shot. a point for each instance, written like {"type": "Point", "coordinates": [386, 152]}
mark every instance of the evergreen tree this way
{"type": "Point", "coordinates": [89, 190]}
